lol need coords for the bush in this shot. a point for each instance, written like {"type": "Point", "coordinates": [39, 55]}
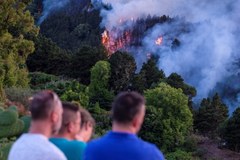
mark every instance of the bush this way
{"type": "Point", "coordinates": [191, 142]}
{"type": "Point", "coordinates": [200, 152]}
{"type": "Point", "coordinates": [27, 122]}
{"type": "Point", "coordinates": [168, 119]}
{"type": "Point", "coordinates": [10, 124]}
{"type": "Point", "coordinates": [39, 79]}
{"type": "Point", "coordinates": [20, 95]}
{"type": "Point", "coordinates": [179, 155]}
{"type": "Point", "coordinates": [5, 146]}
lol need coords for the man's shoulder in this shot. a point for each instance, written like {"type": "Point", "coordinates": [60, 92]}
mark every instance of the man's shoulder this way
{"type": "Point", "coordinates": [78, 144]}
{"type": "Point", "coordinates": [63, 141]}
{"type": "Point", "coordinates": [35, 145]}
{"type": "Point", "coordinates": [95, 143]}
{"type": "Point", "coordinates": [152, 150]}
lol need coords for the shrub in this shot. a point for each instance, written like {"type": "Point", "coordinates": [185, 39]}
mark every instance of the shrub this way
{"type": "Point", "coordinates": [20, 95]}
{"type": "Point", "coordinates": [179, 155]}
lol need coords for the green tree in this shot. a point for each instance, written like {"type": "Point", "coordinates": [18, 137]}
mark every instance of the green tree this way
{"type": "Point", "coordinates": [123, 67]}
{"type": "Point", "coordinates": [168, 118]}
{"type": "Point", "coordinates": [177, 81]}
{"type": "Point", "coordinates": [82, 62]}
{"type": "Point", "coordinates": [232, 131]}
{"type": "Point", "coordinates": [148, 77]}
{"type": "Point", "coordinates": [152, 73]}
{"type": "Point", "coordinates": [48, 58]}
{"type": "Point", "coordinates": [16, 25]}
{"type": "Point", "coordinates": [98, 88]}
{"type": "Point", "coordinates": [210, 115]}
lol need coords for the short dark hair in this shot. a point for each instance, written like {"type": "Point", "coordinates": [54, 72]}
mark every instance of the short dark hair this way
{"type": "Point", "coordinates": [126, 106]}
{"type": "Point", "coordinates": [69, 114]}
{"type": "Point", "coordinates": [42, 104]}
{"type": "Point", "coordinates": [86, 117]}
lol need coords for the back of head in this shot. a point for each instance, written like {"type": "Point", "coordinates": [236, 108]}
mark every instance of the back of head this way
{"type": "Point", "coordinates": [86, 117]}
{"type": "Point", "coordinates": [87, 126]}
{"type": "Point", "coordinates": [126, 107]}
{"type": "Point", "coordinates": [71, 119]}
{"type": "Point", "coordinates": [43, 104]}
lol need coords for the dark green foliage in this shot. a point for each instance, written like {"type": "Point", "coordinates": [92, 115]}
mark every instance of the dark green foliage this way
{"type": "Point", "coordinates": [152, 74]}
{"type": "Point", "coordinates": [10, 125]}
{"type": "Point", "coordinates": [177, 81]}
{"type": "Point", "coordinates": [27, 122]}
{"type": "Point", "coordinates": [139, 82]}
{"type": "Point", "coordinates": [232, 131]}
{"type": "Point", "coordinates": [73, 26]}
{"type": "Point", "coordinates": [12, 130]}
{"type": "Point", "coordinates": [168, 118]}
{"type": "Point", "coordinates": [8, 117]}
{"type": "Point", "coordinates": [82, 62]}
{"type": "Point", "coordinates": [4, 150]}
{"type": "Point", "coordinates": [67, 90]}
{"type": "Point", "coordinates": [123, 67]}
{"type": "Point", "coordinates": [102, 119]}
{"type": "Point", "coordinates": [38, 80]}
{"type": "Point", "coordinates": [148, 77]}
{"type": "Point", "coordinates": [179, 155]}
{"type": "Point", "coordinates": [98, 88]}
{"type": "Point", "coordinates": [48, 57]}
{"type": "Point", "coordinates": [191, 143]}
{"type": "Point", "coordinates": [210, 115]}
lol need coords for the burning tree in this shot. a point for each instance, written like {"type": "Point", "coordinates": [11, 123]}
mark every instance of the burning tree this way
{"type": "Point", "coordinates": [117, 39]}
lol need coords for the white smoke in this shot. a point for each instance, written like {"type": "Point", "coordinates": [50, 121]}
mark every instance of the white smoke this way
{"type": "Point", "coordinates": [49, 6]}
{"type": "Point", "coordinates": [206, 53]}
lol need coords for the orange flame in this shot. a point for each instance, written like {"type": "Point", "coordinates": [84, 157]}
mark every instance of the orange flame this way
{"type": "Point", "coordinates": [105, 37]}
{"type": "Point", "coordinates": [159, 41]}
{"type": "Point", "coordinates": [114, 44]}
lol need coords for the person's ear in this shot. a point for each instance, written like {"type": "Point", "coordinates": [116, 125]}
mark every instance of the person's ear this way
{"type": "Point", "coordinates": [70, 127]}
{"type": "Point", "coordinates": [85, 126]}
{"type": "Point", "coordinates": [54, 117]}
{"type": "Point", "coordinates": [135, 122]}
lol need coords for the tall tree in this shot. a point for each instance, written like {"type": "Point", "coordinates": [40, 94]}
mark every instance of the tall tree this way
{"type": "Point", "coordinates": [210, 115]}
{"type": "Point", "coordinates": [149, 76]}
{"type": "Point", "coordinates": [82, 62]}
{"type": "Point", "coordinates": [176, 81]}
{"type": "Point", "coordinates": [232, 131]}
{"type": "Point", "coordinates": [123, 67]}
{"type": "Point", "coordinates": [98, 88]}
{"type": "Point", "coordinates": [168, 118]}
{"type": "Point", "coordinates": [152, 74]}
{"type": "Point", "coordinates": [48, 58]}
{"type": "Point", "coordinates": [16, 26]}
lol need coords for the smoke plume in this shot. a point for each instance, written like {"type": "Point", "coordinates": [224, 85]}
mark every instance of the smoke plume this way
{"type": "Point", "coordinates": [49, 6]}
{"type": "Point", "coordinates": [208, 32]}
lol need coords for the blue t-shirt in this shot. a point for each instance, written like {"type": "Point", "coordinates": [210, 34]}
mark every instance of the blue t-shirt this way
{"type": "Point", "coordinates": [121, 146]}
{"type": "Point", "coordinates": [72, 149]}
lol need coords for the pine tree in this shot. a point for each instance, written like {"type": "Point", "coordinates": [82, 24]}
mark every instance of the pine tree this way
{"type": "Point", "coordinates": [16, 25]}
{"type": "Point", "coordinates": [210, 115]}
{"type": "Point", "coordinates": [232, 131]}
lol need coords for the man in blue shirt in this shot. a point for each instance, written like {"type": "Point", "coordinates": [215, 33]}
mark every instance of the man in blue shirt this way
{"type": "Point", "coordinates": [122, 143]}
{"type": "Point", "coordinates": [65, 139]}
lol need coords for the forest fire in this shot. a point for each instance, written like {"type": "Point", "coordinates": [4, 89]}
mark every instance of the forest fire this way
{"type": "Point", "coordinates": [114, 44]}
{"type": "Point", "coordinates": [159, 41]}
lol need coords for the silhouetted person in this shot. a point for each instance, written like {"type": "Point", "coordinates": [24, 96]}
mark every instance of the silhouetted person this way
{"type": "Point", "coordinates": [122, 143]}
{"type": "Point", "coordinates": [87, 126]}
{"type": "Point", "coordinates": [46, 110]}
{"type": "Point", "coordinates": [65, 139]}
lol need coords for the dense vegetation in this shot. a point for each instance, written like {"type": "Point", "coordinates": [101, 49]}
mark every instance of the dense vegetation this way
{"type": "Point", "coordinates": [67, 57]}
